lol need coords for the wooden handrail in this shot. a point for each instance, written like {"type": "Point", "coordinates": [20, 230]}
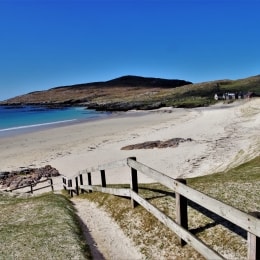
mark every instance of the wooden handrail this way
{"type": "Point", "coordinates": [32, 185]}
{"type": "Point", "coordinates": [113, 191]}
{"type": "Point", "coordinates": [106, 166]}
{"type": "Point", "coordinates": [238, 217]}
{"type": "Point", "coordinates": [176, 228]}
{"type": "Point", "coordinates": [183, 193]}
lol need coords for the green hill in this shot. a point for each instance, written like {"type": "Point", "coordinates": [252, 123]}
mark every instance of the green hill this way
{"type": "Point", "coordinates": [132, 92]}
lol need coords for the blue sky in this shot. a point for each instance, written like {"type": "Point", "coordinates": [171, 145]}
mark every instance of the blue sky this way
{"type": "Point", "coordinates": [49, 43]}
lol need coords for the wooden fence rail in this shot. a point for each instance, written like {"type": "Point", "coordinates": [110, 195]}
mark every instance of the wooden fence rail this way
{"type": "Point", "coordinates": [32, 185]}
{"type": "Point", "coordinates": [245, 221]}
{"type": "Point", "coordinates": [248, 222]}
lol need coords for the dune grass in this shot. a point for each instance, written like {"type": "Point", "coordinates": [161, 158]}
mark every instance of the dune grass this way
{"type": "Point", "coordinates": [40, 227]}
{"type": "Point", "coordinates": [238, 187]}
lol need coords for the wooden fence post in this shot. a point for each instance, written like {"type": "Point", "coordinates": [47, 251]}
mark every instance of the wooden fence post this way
{"type": "Point", "coordinates": [103, 178]}
{"type": "Point", "coordinates": [51, 182]}
{"type": "Point", "coordinates": [134, 183]}
{"type": "Point", "coordinates": [81, 182]}
{"type": "Point", "coordinates": [77, 185]}
{"type": "Point", "coordinates": [181, 211]}
{"type": "Point", "coordinates": [70, 186]}
{"type": "Point", "coordinates": [64, 183]}
{"type": "Point", "coordinates": [253, 242]}
{"type": "Point", "coordinates": [89, 181]}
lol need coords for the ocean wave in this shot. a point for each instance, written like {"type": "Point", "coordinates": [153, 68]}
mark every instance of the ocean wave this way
{"type": "Point", "coordinates": [36, 125]}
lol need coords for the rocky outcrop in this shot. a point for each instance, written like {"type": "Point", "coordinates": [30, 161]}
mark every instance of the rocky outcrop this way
{"type": "Point", "coordinates": [27, 176]}
{"type": "Point", "coordinates": [174, 142]}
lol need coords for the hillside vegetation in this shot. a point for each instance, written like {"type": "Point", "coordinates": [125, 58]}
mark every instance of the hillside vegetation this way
{"type": "Point", "coordinates": [132, 92]}
{"type": "Point", "coordinates": [42, 227]}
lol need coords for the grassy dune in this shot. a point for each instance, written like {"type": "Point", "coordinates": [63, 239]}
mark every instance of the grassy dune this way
{"type": "Point", "coordinates": [42, 227]}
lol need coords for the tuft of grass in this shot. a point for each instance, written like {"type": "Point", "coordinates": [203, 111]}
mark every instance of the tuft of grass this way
{"type": "Point", "coordinates": [40, 227]}
{"type": "Point", "coordinates": [238, 187]}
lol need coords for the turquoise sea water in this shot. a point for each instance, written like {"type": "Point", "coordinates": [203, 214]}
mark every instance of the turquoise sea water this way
{"type": "Point", "coordinates": [35, 117]}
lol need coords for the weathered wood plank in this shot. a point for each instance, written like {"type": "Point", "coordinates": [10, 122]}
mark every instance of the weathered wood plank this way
{"type": "Point", "coordinates": [134, 184]}
{"type": "Point", "coordinates": [112, 165]}
{"type": "Point", "coordinates": [202, 248]}
{"type": "Point", "coordinates": [77, 186]}
{"type": "Point", "coordinates": [28, 185]}
{"type": "Point", "coordinates": [253, 242]}
{"type": "Point", "coordinates": [64, 181]}
{"type": "Point", "coordinates": [81, 182]}
{"type": "Point", "coordinates": [51, 183]}
{"type": "Point", "coordinates": [106, 166]}
{"type": "Point", "coordinates": [103, 178]}
{"type": "Point", "coordinates": [182, 211]}
{"type": "Point", "coordinates": [47, 186]}
{"type": "Point", "coordinates": [89, 180]}
{"type": "Point", "coordinates": [18, 188]}
{"type": "Point", "coordinates": [113, 191]}
{"type": "Point", "coordinates": [71, 189]}
{"type": "Point", "coordinates": [245, 221]}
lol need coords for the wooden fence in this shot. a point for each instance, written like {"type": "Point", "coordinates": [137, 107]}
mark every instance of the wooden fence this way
{"type": "Point", "coordinates": [33, 186]}
{"type": "Point", "coordinates": [248, 222]}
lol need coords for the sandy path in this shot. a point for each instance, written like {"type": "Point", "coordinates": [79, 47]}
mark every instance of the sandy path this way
{"type": "Point", "coordinates": [103, 235]}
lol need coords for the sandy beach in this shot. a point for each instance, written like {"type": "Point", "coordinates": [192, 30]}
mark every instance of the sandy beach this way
{"type": "Point", "coordinates": [223, 136]}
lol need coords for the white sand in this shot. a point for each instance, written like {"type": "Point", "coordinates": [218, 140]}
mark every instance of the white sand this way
{"type": "Point", "coordinates": [223, 136]}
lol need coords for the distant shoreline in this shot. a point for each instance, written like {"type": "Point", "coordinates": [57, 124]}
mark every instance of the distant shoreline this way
{"type": "Point", "coordinates": [27, 119]}
{"type": "Point", "coordinates": [14, 131]}
{"type": "Point", "coordinates": [21, 130]}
